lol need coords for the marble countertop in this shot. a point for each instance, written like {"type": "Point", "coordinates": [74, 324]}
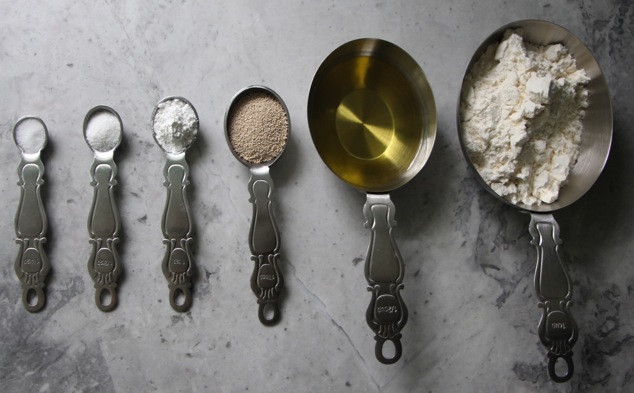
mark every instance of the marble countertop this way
{"type": "Point", "coordinates": [469, 263]}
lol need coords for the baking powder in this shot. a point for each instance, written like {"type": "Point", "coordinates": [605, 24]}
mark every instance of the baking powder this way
{"type": "Point", "coordinates": [175, 125]}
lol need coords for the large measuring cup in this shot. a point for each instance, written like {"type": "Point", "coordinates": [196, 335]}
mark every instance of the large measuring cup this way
{"type": "Point", "coordinates": [372, 118]}
{"type": "Point", "coordinates": [557, 329]}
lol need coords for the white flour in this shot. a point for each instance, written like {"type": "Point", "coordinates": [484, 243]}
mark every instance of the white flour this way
{"type": "Point", "coordinates": [103, 131]}
{"type": "Point", "coordinates": [175, 125]}
{"type": "Point", "coordinates": [521, 114]}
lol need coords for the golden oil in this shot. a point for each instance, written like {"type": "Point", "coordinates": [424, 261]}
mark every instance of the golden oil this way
{"type": "Point", "coordinates": [370, 119]}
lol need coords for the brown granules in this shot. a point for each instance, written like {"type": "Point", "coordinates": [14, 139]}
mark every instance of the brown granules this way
{"type": "Point", "coordinates": [257, 127]}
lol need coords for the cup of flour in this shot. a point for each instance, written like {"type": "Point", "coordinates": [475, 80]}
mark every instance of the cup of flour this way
{"type": "Point", "coordinates": [535, 125]}
{"type": "Point", "coordinates": [534, 116]}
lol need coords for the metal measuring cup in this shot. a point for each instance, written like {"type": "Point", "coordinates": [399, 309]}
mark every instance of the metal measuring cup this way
{"type": "Point", "coordinates": [372, 118]}
{"type": "Point", "coordinates": [31, 265]}
{"type": "Point", "coordinates": [557, 329]}
{"type": "Point", "coordinates": [264, 238]}
{"type": "Point", "coordinates": [177, 226]}
{"type": "Point", "coordinates": [103, 133]}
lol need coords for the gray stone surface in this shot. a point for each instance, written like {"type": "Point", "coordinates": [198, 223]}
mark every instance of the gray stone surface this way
{"type": "Point", "coordinates": [469, 263]}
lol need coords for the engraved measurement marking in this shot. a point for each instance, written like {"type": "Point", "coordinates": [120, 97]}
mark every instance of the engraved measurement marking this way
{"type": "Point", "coordinates": [104, 262]}
{"type": "Point", "coordinates": [270, 277]}
{"type": "Point", "coordinates": [387, 310]}
{"type": "Point", "coordinates": [31, 262]}
{"type": "Point", "coordinates": [558, 325]}
{"type": "Point", "coordinates": [179, 262]}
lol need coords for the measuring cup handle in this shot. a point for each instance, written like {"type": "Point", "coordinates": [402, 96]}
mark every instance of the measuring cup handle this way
{"type": "Point", "coordinates": [557, 329]}
{"type": "Point", "coordinates": [104, 264]}
{"type": "Point", "coordinates": [31, 264]}
{"type": "Point", "coordinates": [178, 263]}
{"type": "Point", "coordinates": [386, 315]}
{"type": "Point", "coordinates": [264, 241]}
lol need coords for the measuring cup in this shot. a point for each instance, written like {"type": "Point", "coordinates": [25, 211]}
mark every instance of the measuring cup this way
{"type": "Point", "coordinates": [31, 265]}
{"type": "Point", "coordinates": [103, 132]}
{"type": "Point", "coordinates": [264, 238]}
{"type": "Point", "coordinates": [557, 329]}
{"type": "Point", "coordinates": [175, 127]}
{"type": "Point", "coordinates": [372, 118]}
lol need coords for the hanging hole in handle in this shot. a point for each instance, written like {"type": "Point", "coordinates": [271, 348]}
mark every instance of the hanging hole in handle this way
{"type": "Point", "coordinates": [558, 371]}
{"type": "Point", "coordinates": [33, 299]}
{"type": "Point", "coordinates": [106, 299]}
{"type": "Point", "coordinates": [393, 352]}
{"type": "Point", "coordinates": [180, 298]}
{"type": "Point", "coordinates": [269, 313]}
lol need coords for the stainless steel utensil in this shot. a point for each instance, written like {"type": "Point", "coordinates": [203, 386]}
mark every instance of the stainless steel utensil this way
{"type": "Point", "coordinates": [103, 132]}
{"type": "Point", "coordinates": [178, 263]}
{"type": "Point", "coordinates": [264, 238]}
{"type": "Point", "coordinates": [372, 118]}
{"type": "Point", "coordinates": [557, 329]}
{"type": "Point", "coordinates": [31, 265]}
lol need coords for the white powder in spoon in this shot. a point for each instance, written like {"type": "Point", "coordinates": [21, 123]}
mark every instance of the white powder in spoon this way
{"type": "Point", "coordinates": [103, 131]}
{"type": "Point", "coordinates": [30, 135]}
{"type": "Point", "coordinates": [175, 125]}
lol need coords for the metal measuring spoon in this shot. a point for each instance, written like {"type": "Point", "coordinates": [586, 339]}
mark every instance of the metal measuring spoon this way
{"type": "Point", "coordinates": [264, 239]}
{"type": "Point", "coordinates": [174, 127]}
{"type": "Point", "coordinates": [557, 328]}
{"type": "Point", "coordinates": [103, 132]}
{"type": "Point", "coordinates": [31, 265]}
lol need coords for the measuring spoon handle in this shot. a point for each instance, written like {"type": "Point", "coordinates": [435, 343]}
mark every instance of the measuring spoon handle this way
{"type": "Point", "coordinates": [386, 314]}
{"type": "Point", "coordinates": [557, 329]}
{"type": "Point", "coordinates": [264, 241]}
{"type": "Point", "coordinates": [104, 264]}
{"type": "Point", "coordinates": [31, 264]}
{"type": "Point", "coordinates": [178, 263]}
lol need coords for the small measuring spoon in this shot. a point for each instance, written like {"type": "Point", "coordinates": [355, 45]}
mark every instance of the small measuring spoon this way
{"type": "Point", "coordinates": [175, 127]}
{"type": "Point", "coordinates": [257, 127]}
{"type": "Point", "coordinates": [31, 265]}
{"type": "Point", "coordinates": [103, 132]}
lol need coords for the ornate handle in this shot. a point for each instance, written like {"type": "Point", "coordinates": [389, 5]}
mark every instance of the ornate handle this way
{"type": "Point", "coordinates": [178, 263]}
{"type": "Point", "coordinates": [104, 264]}
{"type": "Point", "coordinates": [31, 264]}
{"type": "Point", "coordinates": [386, 314]}
{"type": "Point", "coordinates": [264, 241]}
{"type": "Point", "coordinates": [557, 329]}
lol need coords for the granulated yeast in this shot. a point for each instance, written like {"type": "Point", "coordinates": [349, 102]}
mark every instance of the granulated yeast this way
{"type": "Point", "coordinates": [258, 127]}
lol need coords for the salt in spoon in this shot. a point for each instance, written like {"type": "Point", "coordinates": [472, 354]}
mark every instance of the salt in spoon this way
{"type": "Point", "coordinates": [103, 133]}
{"type": "Point", "coordinates": [31, 265]}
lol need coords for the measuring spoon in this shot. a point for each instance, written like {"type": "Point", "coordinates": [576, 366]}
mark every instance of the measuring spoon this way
{"type": "Point", "coordinates": [31, 265]}
{"type": "Point", "coordinates": [103, 132]}
{"type": "Point", "coordinates": [261, 111]}
{"type": "Point", "coordinates": [175, 127]}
